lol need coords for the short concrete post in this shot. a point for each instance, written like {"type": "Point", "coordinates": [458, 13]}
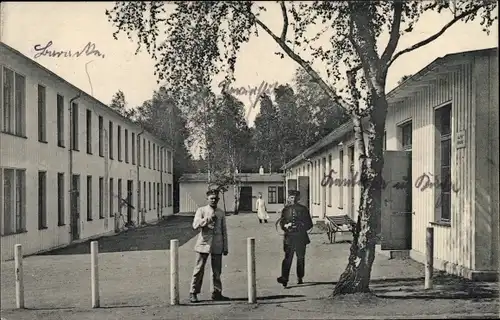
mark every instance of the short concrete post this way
{"type": "Point", "coordinates": [18, 257]}
{"type": "Point", "coordinates": [174, 272]}
{"type": "Point", "coordinates": [429, 262]}
{"type": "Point", "coordinates": [94, 273]}
{"type": "Point", "coordinates": [252, 285]}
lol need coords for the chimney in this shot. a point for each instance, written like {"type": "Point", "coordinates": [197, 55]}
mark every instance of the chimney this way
{"type": "Point", "coordinates": [261, 170]}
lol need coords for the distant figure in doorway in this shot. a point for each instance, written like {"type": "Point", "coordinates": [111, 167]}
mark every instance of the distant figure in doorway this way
{"type": "Point", "coordinates": [261, 209]}
{"type": "Point", "coordinates": [295, 221]}
{"type": "Point", "coordinates": [212, 241]}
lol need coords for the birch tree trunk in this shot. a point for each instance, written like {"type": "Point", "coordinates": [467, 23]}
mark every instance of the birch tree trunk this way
{"type": "Point", "coordinates": [356, 277]}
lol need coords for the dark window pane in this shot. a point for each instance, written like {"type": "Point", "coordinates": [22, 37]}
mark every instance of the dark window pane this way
{"type": "Point", "coordinates": [446, 152]}
{"type": "Point", "coordinates": [445, 206]}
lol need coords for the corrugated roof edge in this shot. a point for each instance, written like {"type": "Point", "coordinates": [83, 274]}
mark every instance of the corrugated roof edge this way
{"type": "Point", "coordinates": [52, 73]}
{"type": "Point", "coordinates": [341, 131]}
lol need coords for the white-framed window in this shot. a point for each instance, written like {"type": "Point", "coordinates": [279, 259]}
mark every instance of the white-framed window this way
{"type": "Point", "coordinates": [13, 102]}
{"type": "Point", "coordinates": [406, 133]}
{"type": "Point", "coordinates": [42, 200]}
{"type": "Point", "coordinates": [443, 126]}
{"type": "Point", "coordinates": [60, 121]}
{"type": "Point", "coordinates": [14, 200]}
{"type": "Point", "coordinates": [42, 114]}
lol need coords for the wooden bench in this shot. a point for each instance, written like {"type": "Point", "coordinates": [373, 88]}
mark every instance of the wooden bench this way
{"type": "Point", "coordinates": [334, 224]}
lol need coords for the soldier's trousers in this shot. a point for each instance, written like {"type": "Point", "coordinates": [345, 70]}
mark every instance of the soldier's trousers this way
{"type": "Point", "coordinates": [199, 271]}
{"type": "Point", "coordinates": [290, 249]}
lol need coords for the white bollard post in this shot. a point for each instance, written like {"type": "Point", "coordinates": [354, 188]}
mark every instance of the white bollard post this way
{"type": "Point", "coordinates": [18, 257]}
{"type": "Point", "coordinates": [252, 286]}
{"type": "Point", "coordinates": [94, 251]}
{"type": "Point", "coordinates": [429, 263]}
{"type": "Point", "coordinates": [174, 272]}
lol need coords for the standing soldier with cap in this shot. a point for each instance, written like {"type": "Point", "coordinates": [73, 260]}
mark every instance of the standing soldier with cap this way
{"type": "Point", "coordinates": [295, 221]}
{"type": "Point", "coordinates": [212, 241]}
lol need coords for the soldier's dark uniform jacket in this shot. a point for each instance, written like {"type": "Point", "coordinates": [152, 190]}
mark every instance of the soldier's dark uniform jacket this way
{"type": "Point", "coordinates": [298, 215]}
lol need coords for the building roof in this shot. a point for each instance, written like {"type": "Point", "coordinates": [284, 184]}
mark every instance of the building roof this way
{"type": "Point", "coordinates": [403, 90]}
{"type": "Point", "coordinates": [83, 93]}
{"type": "Point", "coordinates": [244, 177]}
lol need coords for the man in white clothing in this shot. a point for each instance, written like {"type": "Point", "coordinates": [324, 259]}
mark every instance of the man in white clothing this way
{"type": "Point", "coordinates": [212, 241]}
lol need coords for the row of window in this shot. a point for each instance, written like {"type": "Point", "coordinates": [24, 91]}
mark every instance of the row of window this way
{"type": "Point", "coordinates": [442, 121]}
{"type": "Point", "coordinates": [155, 196]}
{"type": "Point", "coordinates": [128, 143]}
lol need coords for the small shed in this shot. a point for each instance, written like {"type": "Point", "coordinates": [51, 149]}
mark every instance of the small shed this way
{"type": "Point", "coordinates": [193, 187]}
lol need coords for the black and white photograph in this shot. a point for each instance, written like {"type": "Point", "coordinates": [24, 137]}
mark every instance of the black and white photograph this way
{"type": "Point", "coordinates": [249, 160]}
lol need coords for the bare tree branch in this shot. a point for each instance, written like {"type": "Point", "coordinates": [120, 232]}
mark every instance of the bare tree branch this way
{"type": "Point", "coordinates": [394, 35]}
{"type": "Point", "coordinates": [285, 21]}
{"type": "Point", "coordinates": [435, 36]}
{"type": "Point", "coordinates": [314, 75]}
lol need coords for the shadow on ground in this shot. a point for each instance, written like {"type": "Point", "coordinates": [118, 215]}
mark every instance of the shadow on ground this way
{"type": "Point", "coordinates": [151, 237]}
{"type": "Point", "coordinates": [445, 286]}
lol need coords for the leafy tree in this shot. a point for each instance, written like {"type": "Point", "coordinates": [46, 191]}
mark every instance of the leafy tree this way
{"type": "Point", "coordinates": [326, 114]}
{"type": "Point", "coordinates": [228, 140]}
{"type": "Point", "coordinates": [119, 104]}
{"type": "Point", "coordinates": [208, 35]}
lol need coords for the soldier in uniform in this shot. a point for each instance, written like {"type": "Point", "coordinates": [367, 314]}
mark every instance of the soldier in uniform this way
{"type": "Point", "coordinates": [295, 221]}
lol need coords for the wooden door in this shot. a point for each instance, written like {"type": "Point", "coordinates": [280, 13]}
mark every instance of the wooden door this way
{"type": "Point", "coordinates": [245, 199]}
{"type": "Point", "coordinates": [395, 222]}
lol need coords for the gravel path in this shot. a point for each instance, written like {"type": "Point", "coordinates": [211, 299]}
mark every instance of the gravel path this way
{"type": "Point", "coordinates": [134, 281]}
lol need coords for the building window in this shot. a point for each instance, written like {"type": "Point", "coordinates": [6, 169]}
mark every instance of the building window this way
{"type": "Point", "coordinates": [406, 135]}
{"type": "Point", "coordinates": [119, 197]}
{"type": "Point", "coordinates": [42, 114]}
{"type": "Point", "coordinates": [154, 157]}
{"type": "Point", "coordinates": [139, 151]}
{"type": "Point", "coordinates": [281, 194]}
{"type": "Point", "coordinates": [144, 159]}
{"type": "Point", "coordinates": [271, 195]}
{"type": "Point", "coordinates": [443, 121]}
{"type": "Point", "coordinates": [60, 199]}
{"type": "Point", "coordinates": [139, 195]}
{"type": "Point", "coordinates": [149, 154]}
{"type": "Point", "coordinates": [60, 120]}
{"type": "Point", "coordinates": [149, 187]}
{"type": "Point", "coordinates": [89, 131]}
{"type": "Point", "coordinates": [14, 201]}
{"type": "Point", "coordinates": [169, 161]}
{"type": "Point", "coordinates": [110, 140]}
{"type": "Point", "coordinates": [89, 198]}
{"type": "Point", "coordinates": [101, 136]}
{"type": "Point", "coordinates": [384, 142]}
{"type": "Point", "coordinates": [101, 197]}
{"type": "Point", "coordinates": [144, 192]}
{"type": "Point", "coordinates": [154, 194]}
{"type": "Point", "coordinates": [126, 145]}
{"type": "Point", "coordinates": [42, 200]}
{"type": "Point", "coordinates": [74, 127]}
{"type": "Point", "coordinates": [158, 158]}
{"type": "Point", "coordinates": [330, 185]}
{"type": "Point", "coordinates": [133, 147]}
{"type": "Point", "coordinates": [341, 176]}
{"type": "Point", "coordinates": [14, 102]}
{"type": "Point", "coordinates": [111, 198]}
{"type": "Point", "coordinates": [119, 141]}
{"type": "Point", "coordinates": [169, 195]}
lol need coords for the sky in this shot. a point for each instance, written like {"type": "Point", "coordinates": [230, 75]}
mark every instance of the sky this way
{"type": "Point", "coordinates": [71, 25]}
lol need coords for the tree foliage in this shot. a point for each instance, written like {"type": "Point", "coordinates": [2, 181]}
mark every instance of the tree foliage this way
{"type": "Point", "coordinates": [199, 40]}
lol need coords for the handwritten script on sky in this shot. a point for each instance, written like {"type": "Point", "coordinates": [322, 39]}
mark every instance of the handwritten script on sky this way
{"type": "Point", "coordinates": [88, 50]}
{"type": "Point", "coordinates": [253, 92]}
